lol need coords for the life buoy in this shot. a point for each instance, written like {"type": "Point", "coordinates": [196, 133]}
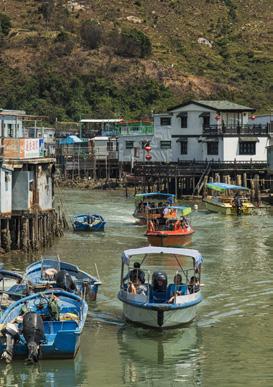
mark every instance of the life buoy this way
{"type": "Point", "coordinates": [151, 226]}
{"type": "Point", "coordinates": [177, 225]}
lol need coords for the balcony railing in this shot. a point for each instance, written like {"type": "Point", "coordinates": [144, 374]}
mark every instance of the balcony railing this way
{"type": "Point", "coordinates": [235, 130]}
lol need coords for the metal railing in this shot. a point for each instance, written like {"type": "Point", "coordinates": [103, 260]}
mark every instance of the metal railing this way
{"type": "Point", "coordinates": [222, 130]}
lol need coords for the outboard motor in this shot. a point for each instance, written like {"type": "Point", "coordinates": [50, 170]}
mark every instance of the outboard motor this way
{"type": "Point", "coordinates": [65, 281]}
{"type": "Point", "coordinates": [11, 332]}
{"type": "Point", "coordinates": [33, 332]}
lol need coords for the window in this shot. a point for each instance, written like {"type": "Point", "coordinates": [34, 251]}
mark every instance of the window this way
{"type": "Point", "coordinates": [165, 121]}
{"type": "Point", "coordinates": [136, 152]}
{"type": "Point", "coordinates": [165, 144]}
{"type": "Point", "coordinates": [110, 146]}
{"type": "Point", "coordinates": [212, 148]}
{"type": "Point", "coordinates": [129, 144]}
{"type": "Point", "coordinates": [183, 147]}
{"type": "Point", "coordinates": [247, 148]}
{"type": "Point", "coordinates": [10, 130]}
{"type": "Point", "coordinates": [7, 179]}
{"type": "Point", "coordinates": [184, 120]}
{"type": "Point", "coordinates": [206, 121]}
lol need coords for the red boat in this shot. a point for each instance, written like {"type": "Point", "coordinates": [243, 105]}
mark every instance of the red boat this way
{"type": "Point", "coordinates": [170, 233]}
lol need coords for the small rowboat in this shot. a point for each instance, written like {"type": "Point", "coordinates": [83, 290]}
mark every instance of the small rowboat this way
{"type": "Point", "coordinates": [150, 205]}
{"type": "Point", "coordinates": [170, 232]}
{"type": "Point", "coordinates": [88, 223]}
{"type": "Point", "coordinates": [155, 301]}
{"type": "Point", "coordinates": [61, 317]}
{"type": "Point", "coordinates": [42, 274]}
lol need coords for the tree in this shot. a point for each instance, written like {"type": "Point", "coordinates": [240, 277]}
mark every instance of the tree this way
{"type": "Point", "coordinates": [5, 24]}
{"type": "Point", "coordinates": [133, 43]}
{"type": "Point", "coordinates": [91, 33]}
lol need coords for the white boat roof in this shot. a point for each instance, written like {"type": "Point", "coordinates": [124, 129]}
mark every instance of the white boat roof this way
{"type": "Point", "coordinates": [128, 254]}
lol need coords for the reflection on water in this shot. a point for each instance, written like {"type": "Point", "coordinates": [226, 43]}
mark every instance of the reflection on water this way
{"type": "Point", "coordinates": [231, 341]}
{"type": "Point", "coordinates": [47, 373]}
{"type": "Point", "coordinates": [161, 358]}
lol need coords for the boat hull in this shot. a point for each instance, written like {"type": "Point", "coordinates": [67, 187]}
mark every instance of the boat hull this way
{"type": "Point", "coordinates": [65, 346]}
{"type": "Point", "coordinates": [227, 209]}
{"type": "Point", "coordinates": [160, 316]}
{"type": "Point", "coordinates": [169, 240]}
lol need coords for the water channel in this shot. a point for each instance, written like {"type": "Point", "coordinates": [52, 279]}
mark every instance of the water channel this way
{"type": "Point", "coordinates": [229, 344]}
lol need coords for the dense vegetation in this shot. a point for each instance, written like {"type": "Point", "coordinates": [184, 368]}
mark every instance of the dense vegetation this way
{"type": "Point", "coordinates": [67, 59]}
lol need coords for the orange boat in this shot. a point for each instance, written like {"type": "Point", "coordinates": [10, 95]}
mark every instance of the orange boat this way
{"type": "Point", "coordinates": [169, 232]}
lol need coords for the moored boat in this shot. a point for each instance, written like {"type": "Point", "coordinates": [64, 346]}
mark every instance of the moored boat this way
{"type": "Point", "coordinates": [150, 205]}
{"type": "Point", "coordinates": [228, 204]}
{"type": "Point", "coordinates": [46, 325]}
{"type": "Point", "coordinates": [154, 302]}
{"type": "Point", "coordinates": [169, 232]}
{"type": "Point", "coordinates": [90, 223]}
{"type": "Point", "coordinates": [52, 272]}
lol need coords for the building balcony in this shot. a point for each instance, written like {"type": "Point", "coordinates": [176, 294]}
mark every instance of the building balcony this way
{"type": "Point", "coordinates": [237, 130]}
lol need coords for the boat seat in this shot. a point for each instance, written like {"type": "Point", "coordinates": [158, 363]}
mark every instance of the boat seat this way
{"type": "Point", "coordinates": [172, 288]}
{"type": "Point", "coordinates": [158, 297]}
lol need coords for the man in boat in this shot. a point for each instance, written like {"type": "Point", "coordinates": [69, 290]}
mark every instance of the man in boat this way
{"type": "Point", "coordinates": [136, 278]}
{"type": "Point", "coordinates": [238, 203]}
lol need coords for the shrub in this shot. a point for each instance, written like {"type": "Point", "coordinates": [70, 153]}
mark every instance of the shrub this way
{"type": "Point", "coordinates": [133, 43]}
{"type": "Point", "coordinates": [91, 34]}
{"type": "Point", "coordinates": [5, 24]}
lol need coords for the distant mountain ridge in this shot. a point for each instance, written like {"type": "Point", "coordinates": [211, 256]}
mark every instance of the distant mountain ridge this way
{"type": "Point", "coordinates": [106, 58]}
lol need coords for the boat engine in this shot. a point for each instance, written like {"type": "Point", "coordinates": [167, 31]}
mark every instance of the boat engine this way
{"type": "Point", "coordinates": [11, 332]}
{"type": "Point", "coordinates": [65, 281]}
{"type": "Point", "coordinates": [33, 332]}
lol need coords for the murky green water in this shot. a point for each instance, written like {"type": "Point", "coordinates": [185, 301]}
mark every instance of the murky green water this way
{"type": "Point", "coordinates": [229, 344]}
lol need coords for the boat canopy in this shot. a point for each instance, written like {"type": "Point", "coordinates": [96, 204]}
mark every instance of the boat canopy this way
{"type": "Point", "coordinates": [223, 187]}
{"type": "Point", "coordinates": [184, 209]}
{"type": "Point", "coordinates": [128, 254]}
{"type": "Point", "coordinates": [153, 195]}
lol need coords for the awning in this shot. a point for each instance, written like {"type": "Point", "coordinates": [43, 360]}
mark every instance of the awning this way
{"type": "Point", "coordinates": [208, 139]}
{"type": "Point", "coordinates": [204, 114]}
{"type": "Point", "coordinates": [128, 254]}
{"type": "Point", "coordinates": [249, 139]}
{"type": "Point", "coordinates": [182, 139]}
{"type": "Point", "coordinates": [182, 114]}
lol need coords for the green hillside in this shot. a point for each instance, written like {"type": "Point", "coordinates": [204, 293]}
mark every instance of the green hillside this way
{"type": "Point", "coordinates": [106, 58]}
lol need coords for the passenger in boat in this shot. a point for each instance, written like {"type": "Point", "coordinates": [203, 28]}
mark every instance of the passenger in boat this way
{"type": "Point", "coordinates": [194, 285]}
{"type": "Point", "coordinates": [177, 289]}
{"type": "Point", "coordinates": [137, 275]}
{"type": "Point", "coordinates": [238, 203]}
{"type": "Point", "coordinates": [159, 286]}
{"type": "Point", "coordinates": [184, 222]}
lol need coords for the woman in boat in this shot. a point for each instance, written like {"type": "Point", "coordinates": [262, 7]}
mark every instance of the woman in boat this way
{"type": "Point", "coordinates": [194, 285]}
{"type": "Point", "coordinates": [178, 288]}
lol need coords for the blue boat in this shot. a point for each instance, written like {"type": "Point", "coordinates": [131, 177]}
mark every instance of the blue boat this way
{"type": "Point", "coordinates": [44, 274]}
{"type": "Point", "coordinates": [61, 330]}
{"type": "Point", "coordinates": [88, 223]}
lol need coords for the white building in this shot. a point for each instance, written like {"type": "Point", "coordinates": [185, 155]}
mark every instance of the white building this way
{"type": "Point", "coordinates": [11, 124]}
{"type": "Point", "coordinates": [209, 130]}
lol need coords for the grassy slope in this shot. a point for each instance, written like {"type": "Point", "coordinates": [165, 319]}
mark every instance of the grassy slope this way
{"type": "Point", "coordinates": [43, 76]}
